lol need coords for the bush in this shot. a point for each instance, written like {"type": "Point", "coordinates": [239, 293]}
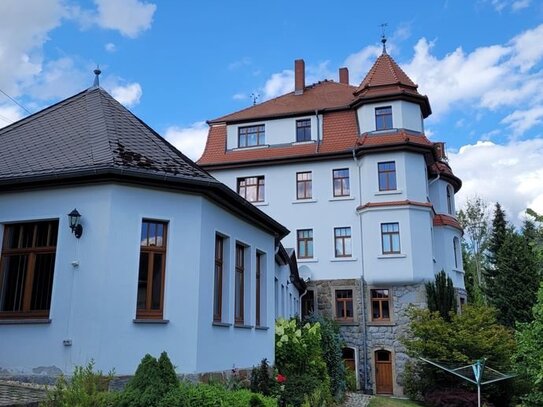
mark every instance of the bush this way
{"type": "Point", "coordinates": [453, 397]}
{"type": "Point", "coordinates": [350, 379]}
{"type": "Point", "coordinates": [261, 379]}
{"type": "Point", "coordinates": [153, 381]}
{"type": "Point", "coordinates": [85, 389]}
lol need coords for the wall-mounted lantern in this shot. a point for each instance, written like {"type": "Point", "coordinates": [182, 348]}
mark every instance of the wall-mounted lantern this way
{"type": "Point", "coordinates": [76, 227]}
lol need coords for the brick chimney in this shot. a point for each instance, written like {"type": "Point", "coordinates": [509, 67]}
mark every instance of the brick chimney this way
{"type": "Point", "coordinates": [344, 75]}
{"type": "Point", "coordinates": [440, 151]}
{"type": "Point", "coordinates": [299, 76]}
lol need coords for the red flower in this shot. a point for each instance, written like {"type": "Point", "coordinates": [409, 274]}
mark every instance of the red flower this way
{"type": "Point", "coordinates": [280, 378]}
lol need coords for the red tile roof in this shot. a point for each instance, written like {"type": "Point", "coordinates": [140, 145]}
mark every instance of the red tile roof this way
{"type": "Point", "coordinates": [393, 138]}
{"type": "Point", "coordinates": [443, 169]}
{"type": "Point", "coordinates": [446, 220]}
{"type": "Point", "coordinates": [394, 203]}
{"type": "Point", "coordinates": [319, 96]}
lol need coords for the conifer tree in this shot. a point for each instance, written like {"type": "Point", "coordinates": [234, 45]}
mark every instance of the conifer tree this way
{"type": "Point", "coordinates": [495, 243]}
{"type": "Point", "coordinates": [440, 295]}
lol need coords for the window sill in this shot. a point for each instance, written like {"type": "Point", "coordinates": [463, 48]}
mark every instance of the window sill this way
{"type": "Point", "coordinates": [340, 259]}
{"type": "Point", "coordinates": [243, 326]}
{"type": "Point", "coordinates": [346, 323]}
{"type": "Point", "coordinates": [265, 203]}
{"type": "Point", "coordinates": [302, 201]}
{"type": "Point", "coordinates": [459, 271]}
{"type": "Point", "coordinates": [297, 143]}
{"type": "Point", "coordinates": [342, 198]}
{"type": "Point", "coordinates": [390, 192]}
{"type": "Point", "coordinates": [262, 328]}
{"type": "Point", "coordinates": [24, 321]}
{"type": "Point", "coordinates": [384, 323]}
{"type": "Point", "coordinates": [250, 147]}
{"type": "Point", "coordinates": [392, 256]}
{"type": "Point", "coordinates": [150, 321]}
{"type": "Point", "coordinates": [308, 260]}
{"type": "Point", "coordinates": [222, 324]}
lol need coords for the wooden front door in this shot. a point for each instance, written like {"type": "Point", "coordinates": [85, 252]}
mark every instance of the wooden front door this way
{"type": "Point", "coordinates": [383, 372]}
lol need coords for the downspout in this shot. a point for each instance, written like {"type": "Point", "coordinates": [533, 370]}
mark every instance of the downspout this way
{"type": "Point", "coordinates": [300, 305]}
{"type": "Point", "coordinates": [362, 285]}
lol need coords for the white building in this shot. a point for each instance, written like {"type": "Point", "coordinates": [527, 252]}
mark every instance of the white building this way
{"type": "Point", "coordinates": [369, 198]}
{"type": "Point", "coordinates": [163, 256]}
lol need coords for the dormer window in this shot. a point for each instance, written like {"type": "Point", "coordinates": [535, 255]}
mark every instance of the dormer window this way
{"type": "Point", "coordinates": [303, 130]}
{"type": "Point", "coordinates": [250, 136]}
{"type": "Point", "coordinates": [383, 118]}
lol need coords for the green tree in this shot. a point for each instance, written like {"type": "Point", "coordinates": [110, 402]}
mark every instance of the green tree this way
{"type": "Point", "coordinates": [474, 220]}
{"type": "Point", "coordinates": [475, 295]}
{"type": "Point", "coordinates": [497, 238]}
{"type": "Point", "coordinates": [529, 356]}
{"type": "Point", "coordinates": [441, 296]}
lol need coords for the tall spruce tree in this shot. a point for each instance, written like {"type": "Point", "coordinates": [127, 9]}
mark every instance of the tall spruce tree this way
{"type": "Point", "coordinates": [440, 295]}
{"type": "Point", "coordinates": [495, 243]}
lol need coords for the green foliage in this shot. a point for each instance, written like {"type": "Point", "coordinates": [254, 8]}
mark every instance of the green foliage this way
{"type": "Point", "coordinates": [529, 356]}
{"type": "Point", "coordinates": [299, 356]}
{"type": "Point", "coordinates": [331, 346]}
{"type": "Point", "coordinates": [209, 395]}
{"type": "Point", "coordinates": [152, 382]}
{"type": "Point", "coordinates": [471, 335]}
{"type": "Point", "coordinates": [85, 389]}
{"type": "Point", "coordinates": [350, 379]}
{"type": "Point", "coordinates": [441, 297]}
{"type": "Point", "coordinates": [261, 379]}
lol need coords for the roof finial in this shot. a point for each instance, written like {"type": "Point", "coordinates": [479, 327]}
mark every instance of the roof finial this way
{"type": "Point", "coordinates": [97, 72]}
{"type": "Point", "coordinates": [255, 97]}
{"type": "Point", "coordinates": [383, 37]}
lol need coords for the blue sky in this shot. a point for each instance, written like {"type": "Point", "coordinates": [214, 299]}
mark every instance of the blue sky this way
{"type": "Point", "coordinates": [176, 64]}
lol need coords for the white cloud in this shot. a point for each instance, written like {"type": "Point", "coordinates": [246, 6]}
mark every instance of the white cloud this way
{"type": "Point", "coordinates": [522, 120]}
{"type": "Point", "coordinates": [129, 94]}
{"type": "Point", "coordinates": [129, 17]}
{"type": "Point", "coordinates": [515, 5]}
{"type": "Point", "coordinates": [510, 174]}
{"type": "Point", "coordinates": [189, 140]}
{"type": "Point", "coordinates": [239, 96]}
{"type": "Point", "coordinates": [238, 64]}
{"type": "Point", "coordinates": [359, 63]}
{"type": "Point", "coordinates": [9, 114]}
{"type": "Point", "coordinates": [520, 4]}
{"type": "Point", "coordinates": [110, 47]}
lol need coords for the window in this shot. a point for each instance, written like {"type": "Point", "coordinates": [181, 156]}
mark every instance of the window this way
{"type": "Point", "coordinates": [303, 130]}
{"type": "Point", "coordinates": [251, 188]}
{"type": "Point", "coordinates": [450, 195]}
{"type": "Point", "coordinates": [390, 238]}
{"type": "Point", "coordinates": [303, 185]}
{"type": "Point", "coordinates": [152, 269]}
{"type": "Point", "coordinates": [456, 245]}
{"type": "Point", "coordinates": [219, 263]}
{"type": "Point", "coordinates": [387, 176]}
{"type": "Point", "coordinates": [341, 182]}
{"type": "Point", "coordinates": [344, 305]}
{"type": "Point", "coordinates": [305, 244]}
{"type": "Point", "coordinates": [308, 304]}
{"type": "Point", "coordinates": [251, 136]}
{"type": "Point", "coordinates": [258, 287]}
{"type": "Point", "coordinates": [383, 118]}
{"type": "Point", "coordinates": [27, 269]}
{"type": "Point", "coordinates": [380, 305]}
{"type": "Point", "coordinates": [239, 285]}
{"type": "Point", "coordinates": [342, 242]}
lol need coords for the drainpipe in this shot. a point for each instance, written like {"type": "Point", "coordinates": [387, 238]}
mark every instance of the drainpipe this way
{"type": "Point", "coordinates": [362, 284]}
{"type": "Point", "coordinates": [300, 305]}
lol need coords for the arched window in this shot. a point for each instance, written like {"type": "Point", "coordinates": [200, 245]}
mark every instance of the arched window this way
{"type": "Point", "coordinates": [456, 246]}
{"type": "Point", "coordinates": [450, 197]}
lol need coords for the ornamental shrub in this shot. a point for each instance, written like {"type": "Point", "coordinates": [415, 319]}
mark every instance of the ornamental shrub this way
{"type": "Point", "coordinates": [261, 379]}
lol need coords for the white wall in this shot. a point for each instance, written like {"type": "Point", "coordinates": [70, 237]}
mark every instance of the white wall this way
{"type": "Point", "coordinates": [94, 304]}
{"type": "Point", "coordinates": [278, 131]}
{"type": "Point", "coordinates": [438, 197]}
{"type": "Point", "coordinates": [444, 254]}
{"type": "Point", "coordinates": [405, 115]}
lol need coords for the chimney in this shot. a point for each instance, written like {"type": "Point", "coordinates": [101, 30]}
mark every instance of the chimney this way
{"type": "Point", "coordinates": [440, 151]}
{"type": "Point", "coordinates": [299, 76]}
{"type": "Point", "coordinates": [344, 75]}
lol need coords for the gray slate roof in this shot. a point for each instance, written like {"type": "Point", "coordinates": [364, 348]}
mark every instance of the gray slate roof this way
{"type": "Point", "coordinates": [87, 132]}
{"type": "Point", "coordinates": [90, 137]}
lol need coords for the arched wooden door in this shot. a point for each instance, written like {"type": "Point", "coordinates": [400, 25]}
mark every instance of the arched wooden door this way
{"type": "Point", "coordinates": [383, 372]}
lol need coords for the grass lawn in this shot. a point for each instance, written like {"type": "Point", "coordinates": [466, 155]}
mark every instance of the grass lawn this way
{"type": "Point", "coordinates": [390, 402]}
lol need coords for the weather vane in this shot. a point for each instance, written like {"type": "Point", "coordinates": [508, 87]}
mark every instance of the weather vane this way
{"type": "Point", "coordinates": [255, 97]}
{"type": "Point", "coordinates": [383, 37]}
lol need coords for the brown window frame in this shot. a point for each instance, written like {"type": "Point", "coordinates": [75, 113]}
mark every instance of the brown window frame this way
{"type": "Point", "coordinates": [377, 298]}
{"type": "Point", "coordinates": [344, 186]}
{"type": "Point", "coordinates": [302, 127]}
{"type": "Point", "coordinates": [304, 181]}
{"type": "Point", "coordinates": [306, 242]}
{"type": "Point", "coordinates": [258, 288]}
{"type": "Point", "coordinates": [383, 118]}
{"type": "Point", "coordinates": [449, 200]}
{"type": "Point", "coordinates": [218, 278]}
{"type": "Point", "coordinates": [31, 252]}
{"type": "Point", "coordinates": [240, 268]}
{"type": "Point", "coordinates": [343, 239]}
{"type": "Point", "coordinates": [389, 176]}
{"type": "Point", "coordinates": [246, 132]}
{"type": "Point", "coordinates": [389, 235]}
{"type": "Point", "coordinates": [243, 186]}
{"type": "Point", "coordinates": [342, 304]}
{"type": "Point", "coordinates": [147, 312]}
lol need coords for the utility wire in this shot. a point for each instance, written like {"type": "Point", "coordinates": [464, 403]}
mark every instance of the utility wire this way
{"type": "Point", "coordinates": [17, 103]}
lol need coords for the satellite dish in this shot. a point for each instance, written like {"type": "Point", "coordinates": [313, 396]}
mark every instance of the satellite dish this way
{"type": "Point", "coordinates": [305, 273]}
